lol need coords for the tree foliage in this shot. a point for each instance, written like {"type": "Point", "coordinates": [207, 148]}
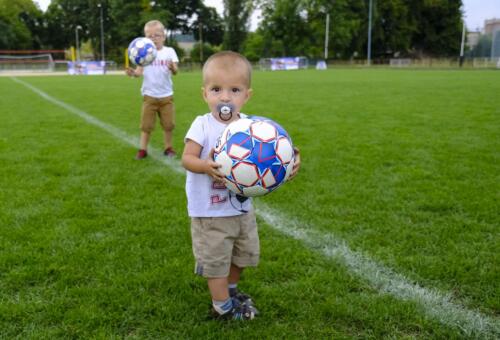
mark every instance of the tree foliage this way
{"type": "Point", "coordinates": [400, 27]}
{"type": "Point", "coordinates": [21, 25]}
{"type": "Point", "coordinates": [211, 24]}
{"type": "Point", "coordinates": [236, 16]}
{"type": "Point", "coordinates": [288, 27]}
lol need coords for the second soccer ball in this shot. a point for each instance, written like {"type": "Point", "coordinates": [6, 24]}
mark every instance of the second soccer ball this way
{"type": "Point", "coordinates": [142, 51]}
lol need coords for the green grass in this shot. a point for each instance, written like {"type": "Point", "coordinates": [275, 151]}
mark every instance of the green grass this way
{"type": "Point", "coordinates": [402, 165]}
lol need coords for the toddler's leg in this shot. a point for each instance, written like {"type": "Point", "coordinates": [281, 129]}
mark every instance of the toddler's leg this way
{"type": "Point", "coordinates": [167, 139]}
{"type": "Point", "coordinates": [234, 274]}
{"type": "Point", "coordinates": [167, 120]}
{"type": "Point", "coordinates": [144, 141]}
{"type": "Point", "coordinates": [218, 288]}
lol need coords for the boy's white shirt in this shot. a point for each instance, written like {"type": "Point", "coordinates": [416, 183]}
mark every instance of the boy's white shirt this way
{"type": "Point", "coordinates": [157, 81]}
{"type": "Point", "coordinates": [205, 199]}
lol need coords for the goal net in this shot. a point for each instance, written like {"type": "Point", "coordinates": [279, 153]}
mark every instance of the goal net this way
{"type": "Point", "coordinates": [28, 63]}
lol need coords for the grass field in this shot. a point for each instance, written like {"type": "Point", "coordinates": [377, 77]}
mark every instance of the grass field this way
{"type": "Point", "coordinates": [390, 230]}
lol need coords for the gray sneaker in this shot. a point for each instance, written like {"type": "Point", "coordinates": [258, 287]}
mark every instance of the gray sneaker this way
{"type": "Point", "coordinates": [243, 298]}
{"type": "Point", "coordinates": [240, 311]}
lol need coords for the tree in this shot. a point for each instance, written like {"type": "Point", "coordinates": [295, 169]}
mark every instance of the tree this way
{"type": "Point", "coordinates": [285, 28]}
{"type": "Point", "coordinates": [348, 25]}
{"type": "Point", "coordinates": [123, 21]}
{"type": "Point", "coordinates": [438, 27]}
{"type": "Point", "coordinates": [212, 27]}
{"type": "Point", "coordinates": [392, 30]}
{"type": "Point", "coordinates": [20, 24]}
{"type": "Point", "coordinates": [62, 18]}
{"type": "Point", "coordinates": [208, 50]}
{"type": "Point", "coordinates": [253, 49]}
{"type": "Point", "coordinates": [236, 16]}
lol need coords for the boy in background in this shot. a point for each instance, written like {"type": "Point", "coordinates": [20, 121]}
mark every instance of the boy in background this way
{"type": "Point", "coordinates": [157, 90]}
{"type": "Point", "coordinates": [225, 239]}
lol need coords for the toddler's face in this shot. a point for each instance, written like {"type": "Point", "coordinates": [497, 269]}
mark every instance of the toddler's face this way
{"type": "Point", "coordinates": [156, 34]}
{"type": "Point", "coordinates": [226, 87]}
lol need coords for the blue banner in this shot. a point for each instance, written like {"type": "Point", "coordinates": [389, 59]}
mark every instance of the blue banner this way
{"type": "Point", "coordinates": [287, 63]}
{"type": "Point", "coordinates": [87, 67]}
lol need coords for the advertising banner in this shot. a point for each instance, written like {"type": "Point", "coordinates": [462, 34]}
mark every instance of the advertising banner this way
{"type": "Point", "coordinates": [287, 63]}
{"type": "Point", "coordinates": [87, 67]}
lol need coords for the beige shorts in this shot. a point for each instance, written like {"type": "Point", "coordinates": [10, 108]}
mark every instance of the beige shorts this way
{"type": "Point", "coordinates": [219, 242]}
{"type": "Point", "coordinates": [163, 107]}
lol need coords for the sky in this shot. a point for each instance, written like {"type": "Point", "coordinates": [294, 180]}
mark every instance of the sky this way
{"type": "Point", "coordinates": [476, 11]}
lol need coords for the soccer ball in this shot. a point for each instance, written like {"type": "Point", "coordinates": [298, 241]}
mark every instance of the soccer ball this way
{"type": "Point", "coordinates": [256, 156]}
{"type": "Point", "coordinates": [142, 51]}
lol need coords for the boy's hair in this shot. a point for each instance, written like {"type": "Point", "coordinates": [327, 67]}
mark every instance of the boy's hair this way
{"type": "Point", "coordinates": [229, 59]}
{"type": "Point", "coordinates": [152, 23]}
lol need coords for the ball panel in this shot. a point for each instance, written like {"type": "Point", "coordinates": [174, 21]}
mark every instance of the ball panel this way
{"type": "Point", "coordinates": [289, 169]}
{"type": "Point", "coordinates": [232, 186]}
{"type": "Point", "coordinates": [263, 131]}
{"type": "Point", "coordinates": [266, 153]}
{"type": "Point", "coordinates": [279, 172]}
{"type": "Point", "coordinates": [226, 163]}
{"type": "Point", "coordinates": [241, 139]}
{"type": "Point", "coordinates": [245, 174]}
{"type": "Point", "coordinates": [240, 125]}
{"type": "Point", "coordinates": [268, 179]}
{"type": "Point", "coordinates": [284, 150]}
{"type": "Point", "coordinates": [254, 191]}
{"type": "Point", "coordinates": [238, 152]}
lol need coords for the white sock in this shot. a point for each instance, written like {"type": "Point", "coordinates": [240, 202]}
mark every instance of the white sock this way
{"type": "Point", "coordinates": [222, 307]}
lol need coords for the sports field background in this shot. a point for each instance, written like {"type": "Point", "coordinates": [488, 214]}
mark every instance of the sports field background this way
{"type": "Point", "coordinates": [399, 167]}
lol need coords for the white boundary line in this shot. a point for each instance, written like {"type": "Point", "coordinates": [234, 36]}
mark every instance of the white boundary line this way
{"type": "Point", "coordinates": [433, 303]}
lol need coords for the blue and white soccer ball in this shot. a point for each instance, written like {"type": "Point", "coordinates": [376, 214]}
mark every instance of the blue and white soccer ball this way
{"type": "Point", "coordinates": [256, 156]}
{"type": "Point", "coordinates": [142, 51]}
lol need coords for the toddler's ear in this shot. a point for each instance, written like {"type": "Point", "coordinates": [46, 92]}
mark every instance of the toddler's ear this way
{"type": "Point", "coordinates": [249, 93]}
{"type": "Point", "coordinates": [203, 93]}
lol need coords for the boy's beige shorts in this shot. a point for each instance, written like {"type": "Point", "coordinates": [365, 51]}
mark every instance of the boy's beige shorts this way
{"type": "Point", "coordinates": [220, 241]}
{"type": "Point", "coordinates": [163, 107]}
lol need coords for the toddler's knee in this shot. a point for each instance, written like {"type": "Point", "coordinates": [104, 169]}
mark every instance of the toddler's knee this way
{"type": "Point", "coordinates": [147, 129]}
{"type": "Point", "coordinates": [168, 127]}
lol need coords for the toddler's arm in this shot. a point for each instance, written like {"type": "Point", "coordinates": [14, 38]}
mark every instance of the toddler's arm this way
{"type": "Point", "coordinates": [191, 161]}
{"type": "Point", "coordinates": [172, 67]}
{"type": "Point", "coordinates": [296, 165]}
{"type": "Point", "coordinates": [134, 73]}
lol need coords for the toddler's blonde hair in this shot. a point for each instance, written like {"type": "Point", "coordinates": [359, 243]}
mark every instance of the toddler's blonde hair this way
{"type": "Point", "coordinates": [228, 60]}
{"type": "Point", "coordinates": [153, 23]}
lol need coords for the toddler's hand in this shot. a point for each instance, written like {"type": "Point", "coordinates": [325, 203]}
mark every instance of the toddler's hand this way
{"type": "Point", "coordinates": [212, 168]}
{"type": "Point", "coordinates": [296, 165]}
{"type": "Point", "coordinates": [130, 72]}
{"type": "Point", "coordinates": [171, 66]}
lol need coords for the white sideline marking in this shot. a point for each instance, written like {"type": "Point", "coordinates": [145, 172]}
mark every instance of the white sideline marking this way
{"type": "Point", "coordinates": [433, 303]}
{"type": "Point", "coordinates": [134, 141]}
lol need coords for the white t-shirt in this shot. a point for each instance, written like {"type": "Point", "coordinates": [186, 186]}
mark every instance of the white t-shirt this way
{"type": "Point", "coordinates": [205, 197]}
{"type": "Point", "coordinates": [157, 76]}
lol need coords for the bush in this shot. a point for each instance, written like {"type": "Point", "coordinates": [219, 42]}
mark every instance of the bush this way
{"type": "Point", "coordinates": [208, 50]}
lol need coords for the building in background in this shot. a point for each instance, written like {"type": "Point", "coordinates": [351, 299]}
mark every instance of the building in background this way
{"type": "Point", "coordinates": [185, 41]}
{"type": "Point", "coordinates": [491, 25]}
{"type": "Point", "coordinates": [473, 39]}
{"type": "Point", "coordinates": [492, 28]}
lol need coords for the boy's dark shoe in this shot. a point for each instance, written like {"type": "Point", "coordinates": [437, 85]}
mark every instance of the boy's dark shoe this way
{"type": "Point", "coordinates": [169, 152]}
{"type": "Point", "coordinates": [243, 298]}
{"type": "Point", "coordinates": [141, 154]}
{"type": "Point", "coordinates": [240, 311]}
